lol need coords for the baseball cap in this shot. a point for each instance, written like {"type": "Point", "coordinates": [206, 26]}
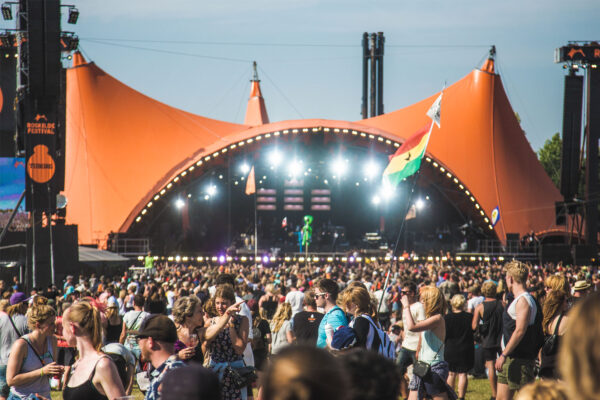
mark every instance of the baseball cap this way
{"type": "Point", "coordinates": [17, 298]}
{"type": "Point", "coordinates": [158, 327]}
{"type": "Point", "coordinates": [190, 382]}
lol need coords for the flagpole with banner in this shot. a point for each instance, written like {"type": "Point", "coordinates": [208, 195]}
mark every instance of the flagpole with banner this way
{"type": "Point", "coordinates": [406, 161]}
{"type": "Point", "coordinates": [251, 189]}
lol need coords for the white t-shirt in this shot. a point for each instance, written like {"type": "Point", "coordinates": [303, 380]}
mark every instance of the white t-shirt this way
{"type": "Point", "coordinates": [384, 304]}
{"type": "Point", "coordinates": [474, 302]}
{"type": "Point", "coordinates": [296, 300]}
{"type": "Point", "coordinates": [411, 339]}
{"type": "Point", "coordinates": [170, 299]}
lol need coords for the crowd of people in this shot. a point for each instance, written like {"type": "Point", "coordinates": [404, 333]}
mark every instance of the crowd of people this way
{"type": "Point", "coordinates": [290, 331]}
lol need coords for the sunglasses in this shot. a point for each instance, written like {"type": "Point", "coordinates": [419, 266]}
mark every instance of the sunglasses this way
{"type": "Point", "coordinates": [317, 295]}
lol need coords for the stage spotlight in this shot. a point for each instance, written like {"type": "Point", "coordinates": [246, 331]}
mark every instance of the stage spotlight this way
{"type": "Point", "coordinates": [6, 12]}
{"type": "Point", "coordinates": [371, 169]}
{"type": "Point", "coordinates": [420, 204]}
{"type": "Point", "coordinates": [339, 166]}
{"type": "Point", "coordinates": [73, 15]}
{"type": "Point", "coordinates": [179, 203]}
{"type": "Point", "coordinates": [245, 168]}
{"type": "Point", "coordinates": [376, 200]}
{"type": "Point", "coordinates": [295, 168]}
{"type": "Point", "coordinates": [206, 197]}
{"type": "Point", "coordinates": [387, 191]}
{"type": "Point", "coordinates": [275, 157]}
{"type": "Point", "coordinates": [211, 190]}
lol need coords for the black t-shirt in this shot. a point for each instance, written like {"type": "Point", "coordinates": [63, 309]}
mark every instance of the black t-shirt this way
{"type": "Point", "coordinates": [306, 326]}
{"type": "Point", "coordinates": [259, 342]}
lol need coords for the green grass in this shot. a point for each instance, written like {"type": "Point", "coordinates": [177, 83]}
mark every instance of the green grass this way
{"type": "Point", "coordinates": [478, 389]}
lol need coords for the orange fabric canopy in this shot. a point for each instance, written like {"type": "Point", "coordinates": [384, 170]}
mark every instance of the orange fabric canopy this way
{"type": "Point", "coordinates": [123, 148]}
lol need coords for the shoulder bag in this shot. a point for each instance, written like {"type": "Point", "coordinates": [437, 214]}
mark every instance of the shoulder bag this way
{"type": "Point", "coordinates": [422, 368]}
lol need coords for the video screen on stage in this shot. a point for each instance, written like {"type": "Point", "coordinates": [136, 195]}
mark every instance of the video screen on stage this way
{"type": "Point", "coordinates": [12, 185]}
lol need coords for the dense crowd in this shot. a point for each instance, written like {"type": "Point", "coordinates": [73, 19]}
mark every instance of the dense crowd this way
{"type": "Point", "coordinates": [302, 331]}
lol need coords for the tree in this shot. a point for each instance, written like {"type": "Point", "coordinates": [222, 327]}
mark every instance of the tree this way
{"type": "Point", "coordinates": [550, 156]}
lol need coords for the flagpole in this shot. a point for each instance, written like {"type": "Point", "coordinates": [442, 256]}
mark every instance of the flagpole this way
{"type": "Point", "coordinates": [414, 183]}
{"type": "Point", "coordinates": [255, 231]}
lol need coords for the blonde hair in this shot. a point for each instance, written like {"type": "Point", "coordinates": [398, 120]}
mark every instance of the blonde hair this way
{"type": "Point", "coordinates": [184, 308]}
{"type": "Point", "coordinates": [87, 318]}
{"type": "Point", "coordinates": [283, 313]}
{"type": "Point", "coordinates": [457, 301]}
{"type": "Point", "coordinates": [543, 390]}
{"type": "Point", "coordinates": [38, 314]}
{"type": "Point", "coordinates": [489, 289]}
{"type": "Point", "coordinates": [557, 282]}
{"type": "Point", "coordinates": [433, 301]}
{"type": "Point", "coordinates": [552, 306]}
{"type": "Point", "coordinates": [360, 297]}
{"type": "Point", "coordinates": [579, 352]}
{"type": "Point", "coordinates": [4, 304]}
{"type": "Point", "coordinates": [517, 270]}
{"type": "Point", "coordinates": [17, 309]}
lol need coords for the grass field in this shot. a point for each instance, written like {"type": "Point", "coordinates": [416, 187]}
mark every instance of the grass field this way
{"type": "Point", "coordinates": [479, 389]}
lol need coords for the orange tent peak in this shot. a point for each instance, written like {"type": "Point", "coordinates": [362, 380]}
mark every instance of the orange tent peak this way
{"type": "Point", "coordinates": [78, 59]}
{"type": "Point", "coordinates": [488, 65]}
{"type": "Point", "coordinates": [256, 112]}
{"type": "Point", "coordinates": [255, 89]}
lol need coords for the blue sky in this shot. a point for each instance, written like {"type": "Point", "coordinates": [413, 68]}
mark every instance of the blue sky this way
{"type": "Point", "coordinates": [315, 71]}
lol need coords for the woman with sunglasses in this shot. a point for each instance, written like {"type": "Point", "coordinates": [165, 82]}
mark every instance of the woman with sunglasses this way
{"type": "Point", "coordinates": [31, 361]}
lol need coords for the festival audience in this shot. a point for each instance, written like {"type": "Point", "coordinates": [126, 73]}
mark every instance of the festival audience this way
{"type": "Point", "coordinates": [216, 310]}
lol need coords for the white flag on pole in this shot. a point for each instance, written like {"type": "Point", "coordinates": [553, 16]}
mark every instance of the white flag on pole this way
{"type": "Point", "coordinates": [435, 111]}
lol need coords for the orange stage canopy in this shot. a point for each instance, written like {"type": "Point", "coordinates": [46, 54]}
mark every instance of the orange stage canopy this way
{"type": "Point", "coordinates": [124, 148]}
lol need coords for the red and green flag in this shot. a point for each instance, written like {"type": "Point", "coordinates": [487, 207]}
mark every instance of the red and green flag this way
{"type": "Point", "coordinates": [407, 159]}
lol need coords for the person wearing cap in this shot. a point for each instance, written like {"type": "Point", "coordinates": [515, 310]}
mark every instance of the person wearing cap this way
{"type": "Point", "coordinates": [156, 339]}
{"type": "Point", "coordinates": [13, 325]}
{"type": "Point", "coordinates": [581, 289]}
{"type": "Point", "coordinates": [191, 382]}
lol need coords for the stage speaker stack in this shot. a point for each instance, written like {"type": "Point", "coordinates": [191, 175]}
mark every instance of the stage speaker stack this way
{"type": "Point", "coordinates": [571, 137]}
{"type": "Point", "coordinates": [555, 253]}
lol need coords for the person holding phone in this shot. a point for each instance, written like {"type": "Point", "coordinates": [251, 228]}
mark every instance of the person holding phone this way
{"type": "Point", "coordinates": [31, 362]}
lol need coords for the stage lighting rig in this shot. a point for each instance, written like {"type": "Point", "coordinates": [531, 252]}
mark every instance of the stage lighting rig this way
{"type": "Point", "coordinates": [179, 203]}
{"type": "Point", "coordinates": [73, 15]}
{"type": "Point", "coordinates": [68, 41]}
{"type": "Point", "coordinates": [7, 40]}
{"type": "Point", "coordinates": [339, 167]}
{"type": "Point", "coordinates": [245, 168]}
{"type": "Point", "coordinates": [7, 12]}
{"type": "Point", "coordinates": [211, 190]}
{"type": "Point", "coordinates": [275, 158]}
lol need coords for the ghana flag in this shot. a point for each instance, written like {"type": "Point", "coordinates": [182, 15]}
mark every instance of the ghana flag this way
{"type": "Point", "coordinates": [407, 159]}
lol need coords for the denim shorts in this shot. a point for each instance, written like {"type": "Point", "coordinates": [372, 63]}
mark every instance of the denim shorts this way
{"type": "Point", "coordinates": [4, 388]}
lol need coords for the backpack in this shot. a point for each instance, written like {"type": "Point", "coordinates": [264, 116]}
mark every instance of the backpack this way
{"type": "Point", "coordinates": [386, 346]}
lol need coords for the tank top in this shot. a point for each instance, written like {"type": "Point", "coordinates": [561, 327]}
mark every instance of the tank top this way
{"type": "Point", "coordinates": [40, 384]}
{"type": "Point", "coordinates": [492, 320]}
{"type": "Point", "coordinates": [87, 390]}
{"type": "Point", "coordinates": [529, 345]}
{"type": "Point", "coordinates": [432, 348]}
{"type": "Point", "coordinates": [113, 332]}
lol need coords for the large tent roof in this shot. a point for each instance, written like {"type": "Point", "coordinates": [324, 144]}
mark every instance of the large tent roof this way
{"type": "Point", "coordinates": [124, 147]}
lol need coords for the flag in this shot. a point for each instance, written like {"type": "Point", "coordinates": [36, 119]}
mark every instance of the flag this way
{"type": "Point", "coordinates": [495, 216]}
{"type": "Point", "coordinates": [407, 159]}
{"type": "Point", "coordinates": [284, 222]}
{"type": "Point", "coordinates": [250, 183]}
{"type": "Point", "coordinates": [412, 213]}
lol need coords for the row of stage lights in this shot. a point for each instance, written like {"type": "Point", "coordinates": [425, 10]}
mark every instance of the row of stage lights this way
{"type": "Point", "coordinates": [278, 158]}
{"type": "Point", "coordinates": [339, 167]}
{"type": "Point", "coordinates": [268, 259]}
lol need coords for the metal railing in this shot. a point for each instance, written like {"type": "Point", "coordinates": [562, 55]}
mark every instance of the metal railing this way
{"type": "Point", "coordinates": [128, 247]}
